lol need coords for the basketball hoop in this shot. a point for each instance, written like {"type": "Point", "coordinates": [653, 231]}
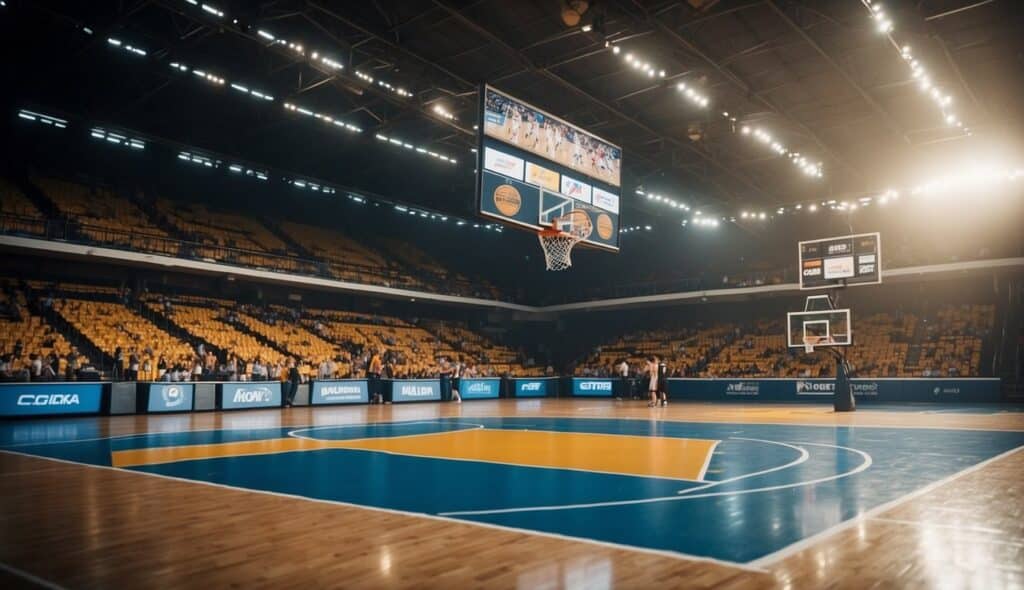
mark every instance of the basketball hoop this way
{"type": "Point", "coordinates": [811, 341]}
{"type": "Point", "coordinates": [558, 240]}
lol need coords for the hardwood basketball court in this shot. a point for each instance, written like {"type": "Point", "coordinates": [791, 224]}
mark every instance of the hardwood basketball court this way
{"type": "Point", "coordinates": [264, 498]}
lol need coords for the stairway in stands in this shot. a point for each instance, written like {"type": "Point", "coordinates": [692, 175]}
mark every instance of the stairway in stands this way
{"type": "Point", "coordinates": [168, 325]}
{"type": "Point", "coordinates": [153, 214]}
{"type": "Point", "coordinates": [294, 245]}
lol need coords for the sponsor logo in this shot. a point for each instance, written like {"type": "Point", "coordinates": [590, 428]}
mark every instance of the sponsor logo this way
{"type": "Point", "coordinates": [595, 386]}
{"type": "Point", "coordinates": [606, 200]}
{"type": "Point", "coordinates": [946, 391]}
{"type": "Point", "coordinates": [864, 389]}
{"type": "Point", "coordinates": [252, 396]}
{"type": "Point", "coordinates": [172, 395]}
{"type": "Point", "coordinates": [604, 226]}
{"type": "Point", "coordinates": [812, 268]}
{"type": "Point", "coordinates": [534, 386]}
{"type": "Point", "coordinates": [866, 259]}
{"type": "Point", "coordinates": [815, 387]}
{"type": "Point", "coordinates": [839, 268]}
{"type": "Point", "coordinates": [479, 387]}
{"type": "Point", "coordinates": [743, 388]}
{"type": "Point", "coordinates": [49, 399]}
{"type": "Point", "coordinates": [839, 248]}
{"type": "Point", "coordinates": [341, 390]}
{"type": "Point", "coordinates": [542, 177]}
{"type": "Point", "coordinates": [417, 390]}
{"type": "Point", "coordinates": [866, 269]}
{"type": "Point", "coordinates": [508, 200]}
{"type": "Point", "coordinates": [576, 189]}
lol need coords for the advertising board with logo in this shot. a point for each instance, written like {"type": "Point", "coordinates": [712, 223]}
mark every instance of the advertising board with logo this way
{"type": "Point", "coordinates": [539, 387]}
{"type": "Point", "coordinates": [343, 391]}
{"type": "Point", "coordinates": [503, 163]}
{"type": "Point", "coordinates": [840, 261]}
{"type": "Point", "coordinates": [415, 390]}
{"type": "Point", "coordinates": [170, 397]}
{"type": "Point", "coordinates": [585, 387]}
{"type": "Point", "coordinates": [483, 388]}
{"type": "Point", "coordinates": [971, 390]}
{"type": "Point", "coordinates": [50, 399]}
{"type": "Point", "coordinates": [256, 394]}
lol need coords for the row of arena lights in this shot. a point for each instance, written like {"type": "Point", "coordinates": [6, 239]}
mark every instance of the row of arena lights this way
{"type": "Point", "coordinates": [218, 80]}
{"type": "Point", "coordinates": [986, 176]}
{"type": "Point", "coordinates": [813, 169]}
{"type": "Point", "coordinates": [944, 101]}
{"type": "Point", "coordinates": [418, 149]}
{"type": "Point", "coordinates": [806, 166]}
{"type": "Point", "coordinates": [634, 228]}
{"type": "Point", "coordinates": [197, 158]}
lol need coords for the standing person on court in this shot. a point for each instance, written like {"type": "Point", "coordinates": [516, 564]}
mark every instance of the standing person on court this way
{"type": "Point", "coordinates": [457, 368]}
{"type": "Point", "coordinates": [663, 382]}
{"type": "Point", "coordinates": [651, 368]}
{"type": "Point", "coordinates": [622, 370]}
{"type": "Point", "coordinates": [373, 371]}
{"type": "Point", "coordinates": [293, 383]}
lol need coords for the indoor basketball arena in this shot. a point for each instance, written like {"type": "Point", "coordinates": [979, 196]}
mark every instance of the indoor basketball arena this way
{"type": "Point", "coordinates": [582, 294]}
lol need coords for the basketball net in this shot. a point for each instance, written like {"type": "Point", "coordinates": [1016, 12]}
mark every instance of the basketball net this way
{"type": "Point", "coordinates": [557, 245]}
{"type": "Point", "coordinates": [811, 341]}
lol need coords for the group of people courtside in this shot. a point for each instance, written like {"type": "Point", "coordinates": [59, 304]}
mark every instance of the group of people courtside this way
{"type": "Point", "coordinates": [655, 371]}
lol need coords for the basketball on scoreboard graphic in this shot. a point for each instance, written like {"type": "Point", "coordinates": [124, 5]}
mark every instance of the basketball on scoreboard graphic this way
{"type": "Point", "coordinates": [535, 169]}
{"type": "Point", "coordinates": [841, 262]}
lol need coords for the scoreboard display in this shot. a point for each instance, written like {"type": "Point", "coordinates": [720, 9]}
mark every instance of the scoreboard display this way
{"type": "Point", "coordinates": [534, 168]}
{"type": "Point", "coordinates": [845, 261]}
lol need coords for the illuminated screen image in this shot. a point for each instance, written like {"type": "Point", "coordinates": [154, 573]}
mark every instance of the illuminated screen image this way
{"type": "Point", "coordinates": [535, 169]}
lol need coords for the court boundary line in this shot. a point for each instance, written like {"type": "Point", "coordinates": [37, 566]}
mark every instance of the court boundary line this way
{"type": "Point", "coordinates": [606, 544]}
{"type": "Point", "coordinates": [923, 524]}
{"type": "Point", "coordinates": [776, 556]}
{"type": "Point", "coordinates": [514, 400]}
{"type": "Point", "coordinates": [868, 461]}
{"type": "Point", "coordinates": [695, 421]}
{"type": "Point", "coordinates": [27, 575]}
{"type": "Point", "coordinates": [804, 456]}
{"type": "Point", "coordinates": [702, 476]}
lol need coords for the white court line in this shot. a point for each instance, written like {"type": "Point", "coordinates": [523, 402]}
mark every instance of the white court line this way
{"type": "Point", "coordinates": [766, 560]}
{"type": "Point", "coordinates": [677, 498]}
{"type": "Point", "coordinates": [436, 517]}
{"type": "Point", "coordinates": [923, 524]}
{"type": "Point", "coordinates": [804, 455]}
{"type": "Point", "coordinates": [30, 577]}
{"type": "Point", "coordinates": [707, 460]}
{"type": "Point", "coordinates": [740, 422]}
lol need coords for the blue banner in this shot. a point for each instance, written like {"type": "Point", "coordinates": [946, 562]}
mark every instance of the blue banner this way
{"type": "Point", "coordinates": [592, 387]}
{"type": "Point", "coordinates": [340, 391]}
{"type": "Point", "coordinates": [415, 390]}
{"type": "Point", "coordinates": [538, 387]}
{"type": "Point", "coordinates": [260, 394]}
{"type": "Point", "coordinates": [170, 397]}
{"type": "Point", "coordinates": [974, 390]}
{"type": "Point", "coordinates": [49, 399]}
{"type": "Point", "coordinates": [482, 388]}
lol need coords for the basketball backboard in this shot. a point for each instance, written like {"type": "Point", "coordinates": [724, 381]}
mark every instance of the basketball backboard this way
{"type": "Point", "coordinates": [828, 327]}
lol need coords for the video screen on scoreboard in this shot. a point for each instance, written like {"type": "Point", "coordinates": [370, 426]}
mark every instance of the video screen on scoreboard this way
{"type": "Point", "coordinates": [843, 261]}
{"type": "Point", "coordinates": [534, 168]}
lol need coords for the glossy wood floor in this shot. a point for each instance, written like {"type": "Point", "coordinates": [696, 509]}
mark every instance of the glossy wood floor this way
{"type": "Point", "coordinates": [75, 526]}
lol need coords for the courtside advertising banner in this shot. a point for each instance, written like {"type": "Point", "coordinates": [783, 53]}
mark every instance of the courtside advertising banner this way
{"type": "Point", "coordinates": [480, 388]}
{"type": "Point", "coordinates": [415, 390]}
{"type": "Point", "coordinates": [242, 395]}
{"type": "Point", "coordinates": [354, 391]}
{"type": "Point", "coordinates": [540, 387]}
{"type": "Point", "coordinates": [50, 399]}
{"type": "Point", "coordinates": [170, 397]}
{"type": "Point", "coordinates": [971, 390]}
{"type": "Point", "coordinates": [596, 387]}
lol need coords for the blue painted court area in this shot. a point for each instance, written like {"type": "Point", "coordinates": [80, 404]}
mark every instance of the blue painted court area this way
{"type": "Point", "coordinates": [764, 487]}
